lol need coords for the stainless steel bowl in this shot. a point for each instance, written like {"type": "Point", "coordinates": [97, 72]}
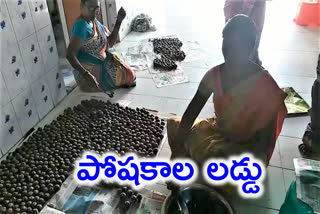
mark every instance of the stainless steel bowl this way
{"type": "Point", "coordinates": [197, 199]}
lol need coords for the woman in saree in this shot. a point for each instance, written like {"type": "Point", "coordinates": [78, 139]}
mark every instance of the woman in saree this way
{"type": "Point", "coordinates": [96, 68]}
{"type": "Point", "coordinates": [249, 105]}
{"type": "Point", "coordinates": [256, 10]}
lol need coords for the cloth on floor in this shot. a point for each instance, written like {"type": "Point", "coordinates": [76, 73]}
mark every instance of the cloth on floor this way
{"type": "Point", "coordinates": [295, 103]}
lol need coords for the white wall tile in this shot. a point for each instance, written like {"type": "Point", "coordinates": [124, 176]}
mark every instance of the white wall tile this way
{"type": "Point", "coordinates": [21, 18]}
{"type": "Point", "coordinates": [42, 96]}
{"type": "Point", "coordinates": [6, 29]}
{"type": "Point", "coordinates": [48, 48]}
{"type": "Point", "coordinates": [40, 13]}
{"type": "Point", "coordinates": [10, 58]}
{"type": "Point", "coordinates": [14, 73]}
{"type": "Point", "coordinates": [56, 85]}
{"type": "Point", "coordinates": [4, 95]}
{"type": "Point", "coordinates": [25, 108]}
{"type": "Point", "coordinates": [10, 132]}
{"type": "Point", "coordinates": [32, 58]}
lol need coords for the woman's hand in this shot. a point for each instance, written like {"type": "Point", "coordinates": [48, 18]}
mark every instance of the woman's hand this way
{"type": "Point", "coordinates": [121, 15]}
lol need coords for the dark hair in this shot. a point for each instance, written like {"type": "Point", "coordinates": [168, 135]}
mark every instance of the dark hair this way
{"type": "Point", "coordinates": [244, 28]}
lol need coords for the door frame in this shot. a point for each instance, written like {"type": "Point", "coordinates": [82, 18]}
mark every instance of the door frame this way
{"type": "Point", "coordinates": [64, 22]}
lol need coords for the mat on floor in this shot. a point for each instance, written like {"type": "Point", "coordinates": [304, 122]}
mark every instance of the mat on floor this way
{"type": "Point", "coordinates": [295, 104]}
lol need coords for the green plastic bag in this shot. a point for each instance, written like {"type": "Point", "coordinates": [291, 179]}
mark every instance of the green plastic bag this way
{"type": "Point", "coordinates": [292, 205]}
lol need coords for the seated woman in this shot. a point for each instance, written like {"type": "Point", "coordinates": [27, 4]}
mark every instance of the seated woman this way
{"type": "Point", "coordinates": [96, 68]}
{"type": "Point", "coordinates": [249, 105]}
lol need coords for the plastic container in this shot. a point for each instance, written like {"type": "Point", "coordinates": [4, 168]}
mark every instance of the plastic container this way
{"type": "Point", "coordinates": [309, 13]}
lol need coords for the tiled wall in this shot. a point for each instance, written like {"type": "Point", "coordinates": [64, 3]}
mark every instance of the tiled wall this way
{"type": "Point", "coordinates": [113, 7]}
{"type": "Point", "coordinates": [30, 81]}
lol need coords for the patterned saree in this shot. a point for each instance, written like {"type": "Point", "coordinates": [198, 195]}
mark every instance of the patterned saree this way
{"type": "Point", "coordinates": [110, 71]}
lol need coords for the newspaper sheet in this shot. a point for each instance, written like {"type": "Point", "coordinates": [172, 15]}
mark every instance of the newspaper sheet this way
{"type": "Point", "coordinates": [74, 199]}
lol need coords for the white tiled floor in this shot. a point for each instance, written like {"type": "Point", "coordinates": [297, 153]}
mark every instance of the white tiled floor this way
{"type": "Point", "coordinates": [275, 159]}
{"type": "Point", "coordinates": [288, 176]}
{"type": "Point", "coordinates": [289, 52]}
{"type": "Point", "coordinates": [274, 191]}
{"type": "Point", "coordinates": [288, 151]}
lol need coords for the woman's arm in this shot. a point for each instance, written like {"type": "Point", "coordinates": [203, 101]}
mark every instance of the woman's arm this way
{"type": "Point", "coordinates": [203, 93]}
{"type": "Point", "coordinates": [112, 39]}
{"type": "Point", "coordinates": [73, 49]}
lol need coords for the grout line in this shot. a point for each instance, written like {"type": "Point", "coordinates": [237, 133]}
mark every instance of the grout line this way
{"type": "Point", "coordinates": [281, 49]}
{"type": "Point", "coordinates": [283, 179]}
{"type": "Point", "coordinates": [290, 75]}
{"type": "Point", "coordinates": [291, 137]}
{"type": "Point", "coordinates": [288, 169]}
{"type": "Point", "coordinates": [268, 208]}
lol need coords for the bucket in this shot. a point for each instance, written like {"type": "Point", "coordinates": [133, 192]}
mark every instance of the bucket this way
{"type": "Point", "coordinates": [308, 14]}
{"type": "Point", "coordinates": [198, 199]}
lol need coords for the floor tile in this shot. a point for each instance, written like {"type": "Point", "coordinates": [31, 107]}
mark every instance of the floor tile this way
{"type": "Point", "coordinates": [294, 42]}
{"type": "Point", "coordinates": [299, 83]}
{"type": "Point", "coordinates": [160, 188]}
{"type": "Point", "coordinates": [288, 151]}
{"type": "Point", "coordinates": [195, 74]}
{"type": "Point", "coordinates": [148, 87]}
{"type": "Point", "coordinates": [176, 106]}
{"type": "Point", "coordinates": [295, 127]}
{"type": "Point", "coordinates": [181, 91]}
{"type": "Point", "coordinates": [294, 63]}
{"type": "Point", "coordinates": [207, 111]}
{"type": "Point", "coordinates": [148, 102]}
{"type": "Point", "coordinates": [165, 153]}
{"type": "Point", "coordinates": [142, 74]}
{"type": "Point", "coordinates": [275, 159]}
{"type": "Point", "coordinates": [166, 144]}
{"type": "Point", "coordinates": [274, 193]}
{"type": "Point", "coordinates": [250, 209]}
{"type": "Point", "coordinates": [289, 176]}
{"type": "Point", "coordinates": [123, 46]}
